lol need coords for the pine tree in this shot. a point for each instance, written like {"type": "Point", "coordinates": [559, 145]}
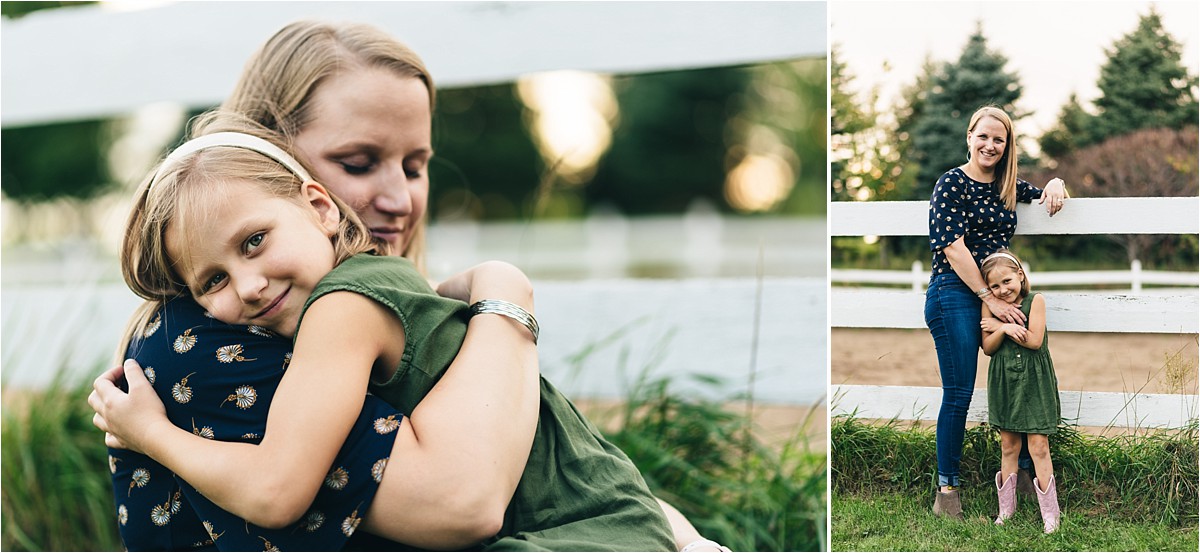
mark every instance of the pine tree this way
{"type": "Point", "coordinates": [975, 80]}
{"type": "Point", "coordinates": [1144, 84]}
{"type": "Point", "coordinates": [1069, 132]}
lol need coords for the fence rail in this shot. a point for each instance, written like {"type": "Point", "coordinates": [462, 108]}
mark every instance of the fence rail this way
{"type": "Point", "coordinates": [1135, 277]}
{"type": "Point", "coordinates": [597, 336]}
{"type": "Point", "coordinates": [1176, 311]}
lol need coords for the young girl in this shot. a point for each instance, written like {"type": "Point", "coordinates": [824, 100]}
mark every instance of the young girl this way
{"type": "Point", "coordinates": [239, 224]}
{"type": "Point", "coordinates": [1022, 388]}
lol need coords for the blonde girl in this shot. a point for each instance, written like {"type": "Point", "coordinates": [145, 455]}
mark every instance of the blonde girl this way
{"type": "Point", "coordinates": [1022, 387]}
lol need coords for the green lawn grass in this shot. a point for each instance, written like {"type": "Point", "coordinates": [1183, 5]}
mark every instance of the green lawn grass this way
{"type": "Point", "coordinates": [895, 521]}
{"type": "Point", "coordinates": [1131, 492]}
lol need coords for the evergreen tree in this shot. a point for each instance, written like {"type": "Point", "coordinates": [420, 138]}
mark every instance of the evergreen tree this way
{"type": "Point", "coordinates": [1069, 132]}
{"type": "Point", "coordinates": [976, 79]}
{"type": "Point", "coordinates": [847, 122]}
{"type": "Point", "coordinates": [1144, 84]}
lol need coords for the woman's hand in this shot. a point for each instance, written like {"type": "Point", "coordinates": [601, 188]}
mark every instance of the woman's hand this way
{"type": "Point", "coordinates": [126, 418]}
{"type": "Point", "coordinates": [1007, 312]}
{"type": "Point", "coordinates": [1016, 332]}
{"type": "Point", "coordinates": [1053, 195]}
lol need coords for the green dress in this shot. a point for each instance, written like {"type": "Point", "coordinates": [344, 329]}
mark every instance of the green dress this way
{"type": "Point", "coordinates": [1022, 389]}
{"type": "Point", "coordinates": [578, 491]}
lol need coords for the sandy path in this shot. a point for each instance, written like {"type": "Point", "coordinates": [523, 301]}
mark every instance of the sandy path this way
{"type": "Point", "coordinates": [1099, 362]}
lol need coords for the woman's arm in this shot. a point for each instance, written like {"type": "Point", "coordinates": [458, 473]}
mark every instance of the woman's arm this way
{"type": "Point", "coordinates": [964, 266]}
{"type": "Point", "coordinates": [478, 422]}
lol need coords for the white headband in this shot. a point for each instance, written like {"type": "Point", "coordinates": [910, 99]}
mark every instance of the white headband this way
{"type": "Point", "coordinates": [232, 140]}
{"type": "Point", "coordinates": [1003, 254]}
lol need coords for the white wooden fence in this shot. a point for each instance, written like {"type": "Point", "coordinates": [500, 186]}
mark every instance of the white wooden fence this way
{"type": "Point", "coordinates": [918, 277]}
{"type": "Point", "coordinates": [1178, 312]}
{"type": "Point", "coordinates": [107, 60]}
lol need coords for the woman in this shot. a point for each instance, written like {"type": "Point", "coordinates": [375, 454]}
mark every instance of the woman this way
{"type": "Point", "coordinates": [374, 155]}
{"type": "Point", "coordinates": [971, 215]}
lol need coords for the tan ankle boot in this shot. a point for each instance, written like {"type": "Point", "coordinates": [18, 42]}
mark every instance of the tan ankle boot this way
{"type": "Point", "coordinates": [948, 504]}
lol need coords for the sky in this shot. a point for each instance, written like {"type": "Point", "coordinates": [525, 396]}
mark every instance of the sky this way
{"type": "Point", "coordinates": [1057, 48]}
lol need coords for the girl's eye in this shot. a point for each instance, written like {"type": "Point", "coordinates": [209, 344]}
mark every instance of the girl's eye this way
{"type": "Point", "coordinates": [253, 242]}
{"type": "Point", "coordinates": [212, 283]}
{"type": "Point", "coordinates": [357, 165]}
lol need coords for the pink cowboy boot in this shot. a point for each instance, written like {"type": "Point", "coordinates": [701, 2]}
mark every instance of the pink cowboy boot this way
{"type": "Point", "coordinates": [1007, 493]}
{"type": "Point", "coordinates": [1048, 501]}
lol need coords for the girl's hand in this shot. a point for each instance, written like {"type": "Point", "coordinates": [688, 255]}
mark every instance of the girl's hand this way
{"type": "Point", "coordinates": [1053, 195]}
{"type": "Point", "coordinates": [1007, 312]}
{"type": "Point", "coordinates": [990, 325]}
{"type": "Point", "coordinates": [126, 418]}
{"type": "Point", "coordinates": [1016, 332]}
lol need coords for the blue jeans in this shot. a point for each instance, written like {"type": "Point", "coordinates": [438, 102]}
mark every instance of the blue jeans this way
{"type": "Point", "coordinates": [952, 312]}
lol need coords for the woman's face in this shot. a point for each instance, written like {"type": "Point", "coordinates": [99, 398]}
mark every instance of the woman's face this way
{"type": "Point", "coordinates": [987, 142]}
{"type": "Point", "coordinates": [368, 141]}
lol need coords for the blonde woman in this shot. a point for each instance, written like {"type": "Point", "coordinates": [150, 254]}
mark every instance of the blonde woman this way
{"type": "Point", "coordinates": [971, 215]}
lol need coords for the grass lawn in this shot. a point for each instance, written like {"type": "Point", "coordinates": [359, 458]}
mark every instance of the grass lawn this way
{"type": "Point", "coordinates": [895, 521]}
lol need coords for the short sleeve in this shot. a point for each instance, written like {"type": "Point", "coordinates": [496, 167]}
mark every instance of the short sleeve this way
{"type": "Point", "coordinates": [947, 211]}
{"type": "Point", "coordinates": [1026, 192]}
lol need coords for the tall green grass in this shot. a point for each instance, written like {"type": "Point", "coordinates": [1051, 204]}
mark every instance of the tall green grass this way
{"type": "Point", "coordinates": [705, 459]}
{"type": "Point", "coordinates": [54, 479]}
{"type": "Point", "coordinates": [1147, 476]}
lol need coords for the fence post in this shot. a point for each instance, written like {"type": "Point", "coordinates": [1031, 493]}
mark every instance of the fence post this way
{"type": "Point", "coordinates": [1135, 270]}
{"type": "Point", "coordinates": [702, 227]}
{"type": "Point", "coordinates": [607, 232]}
{"type": "Point", "coordinates": [918, 276]}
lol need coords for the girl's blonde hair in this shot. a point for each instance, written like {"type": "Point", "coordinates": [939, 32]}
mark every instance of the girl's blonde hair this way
{"type": "Point", "coordinates": [1006, 170]}
{"type": "Point", "coordinates": [1005, 258]}
{"type": "Point", "coordinates": [185, 191]}
{"type": "Point", "coordinates": [279, 80]}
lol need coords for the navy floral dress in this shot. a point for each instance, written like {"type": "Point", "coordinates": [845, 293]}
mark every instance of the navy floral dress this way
{"type": "Point", "coordinates": [217, 381]}
{"type": "Point", "coordinates": [961, 206]}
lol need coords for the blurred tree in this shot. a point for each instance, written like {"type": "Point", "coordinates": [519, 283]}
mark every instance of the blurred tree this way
{"type": "Point", "coordinates": [46, 162]}
{"type": "Point", "coordinates": [909, 113]}
{"type": "Point", "coordinates": [486, 166]}
{"type": "Point", "coordinates": [847, 123]}
{"type": "Point", "coordinates": [788, 98]}
{"type": "Point", "coordinates": [669, 145]}
{"type": "Point", "coordinates": [1144, 84]}
{"type": "Point", "coordinates": [16, 10]}
{"type": "Point", "coordinates": [1144, 163]}
{"type": "Point", "coordinates": [976, 79]}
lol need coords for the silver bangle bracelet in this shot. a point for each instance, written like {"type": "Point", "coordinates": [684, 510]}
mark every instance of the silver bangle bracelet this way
{"type": "Point", "coordinates": [510, 310]}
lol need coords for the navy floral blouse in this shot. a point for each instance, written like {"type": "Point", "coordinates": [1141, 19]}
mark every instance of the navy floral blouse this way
{"type": "Point", "coordinates": [961, 206]}
{"type": "Point", "coordinates": [217, 381]}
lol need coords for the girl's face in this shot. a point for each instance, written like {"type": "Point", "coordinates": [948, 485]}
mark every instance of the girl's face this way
{"type": "Point", "coordinates": [986, 142]}
{"type": "Point", "coordinates": [1005, 283]}
{"type": "Point", "coordinates": [369, 141]}
{"type": "Point", "coordinates": [254, 258]}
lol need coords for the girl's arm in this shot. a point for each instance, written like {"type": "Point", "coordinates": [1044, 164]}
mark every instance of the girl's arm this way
{"type": "Point", "coordinates": [964, 266]}
{"type": "Point", "coordinates": [1032, 338]}
{"type": "Point", "coordinates": [272, 483]}
{"type": "Point", "coordinates": [993, 331]}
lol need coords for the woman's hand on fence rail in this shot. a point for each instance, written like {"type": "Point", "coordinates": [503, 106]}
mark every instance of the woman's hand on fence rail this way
{"type": "Point", "coordinates": [126, 418]}
{"type": "Point", "coordinates": [1053, 195]}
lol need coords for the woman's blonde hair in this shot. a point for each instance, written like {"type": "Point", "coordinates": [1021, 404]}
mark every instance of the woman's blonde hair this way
{"type": "Point", "coordinates": [279, 80]}
{"type": "Point", "coordinates": [1006, 170]}
{"type": "Point", "coordinates": [181, 192]}
{"type": "Point", "coordinates": [1005, 258]}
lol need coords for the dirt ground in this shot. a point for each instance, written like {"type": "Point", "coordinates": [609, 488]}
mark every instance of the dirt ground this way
{"type": "Point", "coordinates": [1097, 362]}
